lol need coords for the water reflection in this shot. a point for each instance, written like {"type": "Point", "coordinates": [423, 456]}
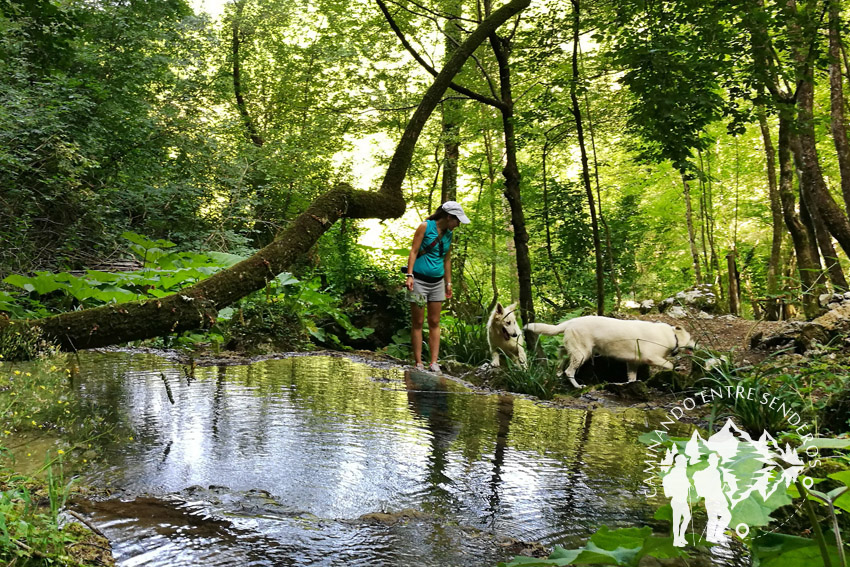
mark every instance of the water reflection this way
{"type": "Point", "coordinates": [276, 462]}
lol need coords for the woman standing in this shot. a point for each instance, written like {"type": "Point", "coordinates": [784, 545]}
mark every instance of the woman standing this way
{"type": "Point", "coordinates": [429, 276]}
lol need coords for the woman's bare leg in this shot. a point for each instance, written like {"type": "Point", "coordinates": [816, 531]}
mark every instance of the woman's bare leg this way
{"type": "Point", "coordinates": [417, 315]}
{"type": "Point", "coordinates": [434, 308]}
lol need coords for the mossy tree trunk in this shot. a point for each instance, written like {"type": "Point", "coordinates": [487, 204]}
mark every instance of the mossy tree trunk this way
{"type": "Point", "coordinates": [196, 307]}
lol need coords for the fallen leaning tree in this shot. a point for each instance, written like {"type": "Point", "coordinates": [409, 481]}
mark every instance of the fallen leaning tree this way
{"type": "Point", "coordinates": [197, 307]}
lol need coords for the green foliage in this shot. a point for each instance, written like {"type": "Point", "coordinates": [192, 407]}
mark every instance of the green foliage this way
{"type": "Point", "coordinates": [20, 342]}
{"type": "Point", "coordinates": [164, 273]}
{"type": "Point", "coordinates": [624, 546]}
{"type": "Point", "coordinates": [35, 400]}
{"type": "Point", "coordinates": [539, 379]}
{"type": "Point", "coordinates": [464, 341]}
{"type": "Point", "coordinates": [676, 87]}
{"type": "Point", "coordinates": [400, 346]}
{"type": "Point", "coordinates": [30, 532]}
{"type": "Point", "coordinates": [805, 385]}
{"type": "Point", "coordinates": [783, 550]}
{"type": "Point", "coordinates": [749, 410]}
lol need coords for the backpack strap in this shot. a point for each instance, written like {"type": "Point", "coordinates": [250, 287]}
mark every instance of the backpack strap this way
{"type": "Point", "coordinates": [430, 246]}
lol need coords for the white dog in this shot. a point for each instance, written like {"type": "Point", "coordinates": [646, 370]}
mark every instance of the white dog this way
{"type": "Point", "coordinates": [504, 335]}
{"type": "Point", "coordinates": [634, 342]}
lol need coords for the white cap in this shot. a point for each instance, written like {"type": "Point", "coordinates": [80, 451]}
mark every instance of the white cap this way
{"type": "Point", "coordinates": [453, 208]}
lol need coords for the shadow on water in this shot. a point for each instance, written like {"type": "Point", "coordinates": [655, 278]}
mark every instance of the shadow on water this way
{"type": "Point", "coordinates": [318, 460]}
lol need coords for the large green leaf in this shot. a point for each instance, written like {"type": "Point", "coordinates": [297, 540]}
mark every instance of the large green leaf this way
{"type": "Point", "coordinates": [826, 443]}
{"type": "Point", "coordinates": [145, 242]}
{"type": "Point", "coordinates": [224, 259]}
{"type": "Point", "coordinates": [842, 501]}
{"type": "Point", "coordinates": [782, 550]}
{"type": "Point", "coordinates": [42, 283]}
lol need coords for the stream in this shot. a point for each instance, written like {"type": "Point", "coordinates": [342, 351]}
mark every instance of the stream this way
{"type": "Point", "coordinates": [326, 460]}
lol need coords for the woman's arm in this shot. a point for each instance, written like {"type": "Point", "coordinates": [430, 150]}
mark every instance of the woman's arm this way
{"type": "Point", "coordinates": [447, 268]}
{"type": "Point", "coordinates": [418, 236]}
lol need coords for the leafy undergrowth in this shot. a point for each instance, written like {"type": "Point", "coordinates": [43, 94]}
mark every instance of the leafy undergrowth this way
{"type": "Point", "coordinates": [38, 408]}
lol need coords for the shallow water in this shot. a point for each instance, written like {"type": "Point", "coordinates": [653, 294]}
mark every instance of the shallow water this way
{"type": "Point", "coordinates": [277, 462]}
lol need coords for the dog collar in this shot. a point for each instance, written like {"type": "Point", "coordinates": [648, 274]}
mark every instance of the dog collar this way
{"type": "Point", "coordinates": [675, 348]}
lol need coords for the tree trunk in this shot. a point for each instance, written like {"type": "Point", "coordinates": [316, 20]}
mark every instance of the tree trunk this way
{"type": "Point", "coordinates": [491, 178]}
{"type": "Point", "coordinates": [546, 223]}
{"type": "Point", "coordinates": [608, 245]}
{"type": "Point", "coordinates": [710, 232]}
{"type": "Point", "coordinates": [824, 243]}
{"type": "Point", "coordinates": [689, 218]}
{"type": "Point", "coordinates": [501, 49]}
{"type": "Point", "coordinates": [734, 285]}
{"type": "Point", "coordinates": [836, 100]}
{"type": "Point", "coordinates": [585, 169]}
{"type": "Point", "coordinates": [196, 307]}
{"type": "Point", "coordinates": [807, 265]}
{"type": "Point", "coordinates": [241, 105]}
{"type": "Point", "coordinates": [772, 307]}
{"type": "Point", "coordinates": [703, 218]}
{"type": "Point", "coordinates": [821, 199]}
{"type": "Point", "coordinates": [452, 114]}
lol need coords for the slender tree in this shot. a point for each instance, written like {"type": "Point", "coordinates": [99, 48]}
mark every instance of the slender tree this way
{"type": "Point", "coordinates": [585, 169]}
{"type": "Point", "coordinates": [772, 311]}
{"type": "Point", "coordinates": [836, 101]}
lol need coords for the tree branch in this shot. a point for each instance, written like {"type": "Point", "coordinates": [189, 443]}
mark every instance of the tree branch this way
{"type": "Point", "coordinates": [454, 86]}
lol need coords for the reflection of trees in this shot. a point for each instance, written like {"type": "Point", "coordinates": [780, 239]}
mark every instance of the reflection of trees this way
{"type": "Point", "coordinates": [428, 399]}
{"type": "Point", "coordinates": [504, 416]}
{"type": "Point", "coordinates": [575, 487]}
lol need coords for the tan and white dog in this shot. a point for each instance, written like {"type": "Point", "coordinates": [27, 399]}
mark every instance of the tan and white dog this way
{"type": "Point", "coordinates": [504, 335]}
{"type": "Point", "coordinates": [634, 342]}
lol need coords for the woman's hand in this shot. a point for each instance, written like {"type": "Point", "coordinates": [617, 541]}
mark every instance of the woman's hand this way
{"type": "Point", "coordinates": [408, 283]}
{"type": "Point", "coordinates": [448, 290]}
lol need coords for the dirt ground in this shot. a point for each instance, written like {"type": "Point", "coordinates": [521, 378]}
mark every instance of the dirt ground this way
{"type": "Point", "coordinates": [723, 333]}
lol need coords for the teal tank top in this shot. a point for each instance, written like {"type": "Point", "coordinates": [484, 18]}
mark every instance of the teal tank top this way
{"type": "Point", "coordinates": [431, 263]}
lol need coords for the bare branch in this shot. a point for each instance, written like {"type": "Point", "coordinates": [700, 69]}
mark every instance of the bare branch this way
{"type": "Point", "coordinates": [434, 13]}
{"type": "Point", "coordinates": [458, 88]}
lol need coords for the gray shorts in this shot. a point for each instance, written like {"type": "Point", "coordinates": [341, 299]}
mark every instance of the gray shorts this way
{"type": "Point", "coordinates": [424, 291]}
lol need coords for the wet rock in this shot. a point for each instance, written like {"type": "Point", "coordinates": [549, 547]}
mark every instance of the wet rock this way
{"type": "Point", "coordinates": [524, 548]}
{"type": "Point", "coordinates": [391, 518]}
{"type": "Point", "coordinates": [637, 391]}
{"type": "Point", "coordinates": [670, 381]}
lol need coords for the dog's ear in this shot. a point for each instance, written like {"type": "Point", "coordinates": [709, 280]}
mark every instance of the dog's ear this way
{"type": "Point", "coordinates": [499, 309]}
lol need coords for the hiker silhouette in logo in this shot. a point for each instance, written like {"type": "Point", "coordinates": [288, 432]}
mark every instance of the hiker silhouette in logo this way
{"type": "Point", "coordinates": [676, 487]}
{"type": "Point", "coordinates": [709, 485]}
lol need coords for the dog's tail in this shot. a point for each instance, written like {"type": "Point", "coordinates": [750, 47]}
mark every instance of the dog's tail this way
{"type": "Point", "coordinates": [544, 329]}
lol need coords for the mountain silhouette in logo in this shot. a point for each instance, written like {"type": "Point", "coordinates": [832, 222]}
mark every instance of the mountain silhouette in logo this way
{"type": "Point", "coordinates": [722, 471]}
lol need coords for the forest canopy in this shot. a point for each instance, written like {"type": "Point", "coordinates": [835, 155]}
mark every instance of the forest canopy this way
{"type": "Point", "coordinates": [605, 151]}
